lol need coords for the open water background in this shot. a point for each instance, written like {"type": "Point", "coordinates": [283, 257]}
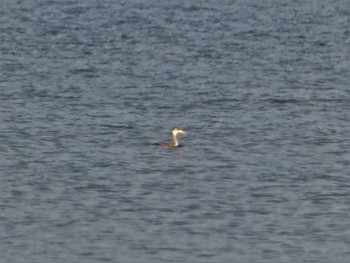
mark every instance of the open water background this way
{"type": "Point", "coordinates": [262, 87]}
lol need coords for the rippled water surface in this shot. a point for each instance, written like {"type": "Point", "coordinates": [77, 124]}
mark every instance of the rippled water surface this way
{"type": "Point", "coordinates": [88, 87]}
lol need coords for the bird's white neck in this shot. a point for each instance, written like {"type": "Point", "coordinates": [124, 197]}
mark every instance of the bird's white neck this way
{"type": "Point", "coordinates": [174, 141]}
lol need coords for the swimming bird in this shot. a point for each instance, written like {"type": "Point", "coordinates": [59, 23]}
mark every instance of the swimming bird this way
{"type": "Point", "coordinates": [174, 142]}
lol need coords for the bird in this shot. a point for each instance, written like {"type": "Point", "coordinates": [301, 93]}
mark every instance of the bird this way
{"type": "Point", "coordinates": [174, 141]}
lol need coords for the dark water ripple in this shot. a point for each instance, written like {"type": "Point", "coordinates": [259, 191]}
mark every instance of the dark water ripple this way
{"type": "Point", "coordinates": [87, 88]}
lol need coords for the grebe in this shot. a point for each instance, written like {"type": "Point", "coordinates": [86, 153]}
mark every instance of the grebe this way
{"type": "Point", "coordinates": [174, 142]}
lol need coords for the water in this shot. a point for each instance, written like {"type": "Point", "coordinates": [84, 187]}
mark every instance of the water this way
{"type": "Point", "coordinates": [87, 87]}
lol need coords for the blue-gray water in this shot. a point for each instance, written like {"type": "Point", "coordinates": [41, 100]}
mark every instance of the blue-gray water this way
{"type": "Point", "coordinates": [87, 87]}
